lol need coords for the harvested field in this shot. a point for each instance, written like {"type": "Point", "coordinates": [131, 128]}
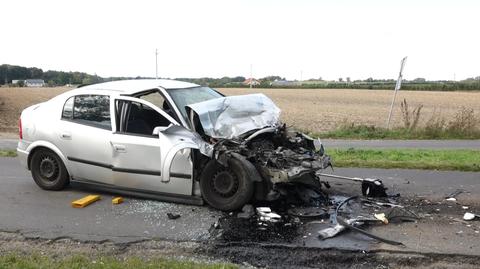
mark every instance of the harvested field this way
{"type": "Point", "coordinates": [14, 100]}
{"type": "Point", "coordinates": [320, 110]}
{"type": "Point", "coordinates": [315, 110]}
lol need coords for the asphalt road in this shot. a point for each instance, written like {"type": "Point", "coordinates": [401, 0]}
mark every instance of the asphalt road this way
{"type": "Point", "coordinates": [35, 213]}
{"type": "Point", "coordinates": [336, 143]}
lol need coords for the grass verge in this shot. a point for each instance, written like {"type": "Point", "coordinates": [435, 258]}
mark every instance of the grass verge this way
{"type": "Point", "coordinates": [78, 261]}
{"type": "Point", "coordinates": [461, 160]}
{"type": "Point", "coordinates": [8, 153]}
{"type": "Point", "coordinates": [372, 132]}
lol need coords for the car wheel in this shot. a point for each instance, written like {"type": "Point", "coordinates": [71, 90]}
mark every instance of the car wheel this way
{"type": "Point", "coordinates": [226, 188]}
{"type": "Point", "coordinates": [48, 170]}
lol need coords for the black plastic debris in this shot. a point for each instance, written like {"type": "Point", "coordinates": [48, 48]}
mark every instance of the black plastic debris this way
{"type": "Point", "coordinates": [351, 226]}
{"type": "Point", "coordinates": [173, 216]}
{"type": "Point", "coordinates": [373, 188]}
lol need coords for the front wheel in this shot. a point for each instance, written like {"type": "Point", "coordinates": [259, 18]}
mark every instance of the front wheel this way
{"type": "Point", "coordinates": [48, 170]}
{"type": "Point", "coordinates": [227, 188]}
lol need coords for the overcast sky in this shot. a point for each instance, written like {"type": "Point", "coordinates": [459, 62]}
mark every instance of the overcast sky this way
{"type": "Point", "coordinates": [328, 39]}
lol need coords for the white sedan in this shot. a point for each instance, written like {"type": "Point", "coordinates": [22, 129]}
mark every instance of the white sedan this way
{"type": "Point", "coordinates": [168, 140]}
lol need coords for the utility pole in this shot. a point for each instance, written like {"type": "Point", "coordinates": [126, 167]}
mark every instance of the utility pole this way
{"type": "Point", "coordinates": [156, 63]}
{"type": "Point", "coordinates": [251, 76]}
{"type": "Point", "coordinates": [397, 87]}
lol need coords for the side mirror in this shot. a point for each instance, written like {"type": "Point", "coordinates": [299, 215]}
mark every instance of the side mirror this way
{"type": "Point", "coordinates": [157, 130]}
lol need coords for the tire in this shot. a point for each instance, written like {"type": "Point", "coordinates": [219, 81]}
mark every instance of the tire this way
{"type": "Point", "coordinates": [227, 188]}
{"type": "Point", "coordinates": [48, 170]}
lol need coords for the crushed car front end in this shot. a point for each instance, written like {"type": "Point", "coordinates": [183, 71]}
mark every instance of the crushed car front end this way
{"type": "Point", "coordinates": [246, 131]}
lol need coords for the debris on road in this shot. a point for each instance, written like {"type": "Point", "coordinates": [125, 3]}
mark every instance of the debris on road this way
{"type": "Point", "coordinates": [371, 187]}
{"type": "Point", "coordinates": [469, 216]}
{"type": "Point", "coordinates": [247, 212]}
{"type": "Point", "coordinates": [173, 216]}
{"type": "Point", "coordinates": [452, 196]}
{"type": "Point", "coordinates": [332, 231]}
{"type": "Point", "coordinates": [343, 222]}
{"type": "Point", "coordinates": [381, 217]}
{"type": "Point", "coordinates": [287, 218]}
{"type": "Point", "coordinates": [85, 201]}
{"type": "Point", "coordinates": [266, 214]}
{"type": "Point", "coordinates": [117, 200]}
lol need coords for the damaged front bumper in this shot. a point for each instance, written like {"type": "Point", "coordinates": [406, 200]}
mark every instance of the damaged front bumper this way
{"type": "Point", "coordinates": [278, 154]}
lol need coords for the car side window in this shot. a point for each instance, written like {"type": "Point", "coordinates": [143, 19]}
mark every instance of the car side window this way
{"type": "Point", "coordinates": [137, 118]}
{"type": "Point", "coordinates": [67, 112]}
{"type": "Point", "coordinates": [92, 110]}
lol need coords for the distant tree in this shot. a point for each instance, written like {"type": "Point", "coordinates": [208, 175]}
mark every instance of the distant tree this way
{"type": "Point", "coordinates": [419, 80]}
{"type": "Point", "coordinates": [348, 79]}
{"type": "Point", "coordinates": [340, 80]}
{"type": "Point", "coordinates": [35, 72]}
{"type": "Point", "coordinates": [271, 78]}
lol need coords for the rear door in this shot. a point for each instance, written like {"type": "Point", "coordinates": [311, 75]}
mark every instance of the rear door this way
{"type": "Point", "coordinates": [84, 137]}
{"type": "Point", "coordinates": [139, 156]}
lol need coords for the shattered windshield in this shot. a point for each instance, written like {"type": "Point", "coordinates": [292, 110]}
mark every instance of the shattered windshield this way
{"type": "Point", "coordinates": [188, 96]}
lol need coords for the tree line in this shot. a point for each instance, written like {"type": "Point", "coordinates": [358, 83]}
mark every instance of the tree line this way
{"type": "Point", "coordinates": [8, 73]}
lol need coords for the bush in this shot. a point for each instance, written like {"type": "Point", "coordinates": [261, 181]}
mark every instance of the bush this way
{"type": "Point", "coordinates": [464, 122]}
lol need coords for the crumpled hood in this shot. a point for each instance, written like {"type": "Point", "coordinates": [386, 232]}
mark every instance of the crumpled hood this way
{"type": "Point", "coordinates": [232, 116]}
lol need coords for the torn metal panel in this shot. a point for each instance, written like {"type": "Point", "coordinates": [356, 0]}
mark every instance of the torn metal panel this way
{"type": "Point", "coordinates": [180, 133]}
{"type": "Point", "coordinates": [230, 117]}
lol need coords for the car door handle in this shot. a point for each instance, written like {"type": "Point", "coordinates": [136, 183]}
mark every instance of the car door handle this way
{"type": "Point", "coordinates": [65, 135]}
{"type": "Point", "coordinates": [119, 148]}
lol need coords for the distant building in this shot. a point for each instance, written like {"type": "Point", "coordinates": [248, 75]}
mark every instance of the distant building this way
{"type": "Point", "coordinates": [284, 83]}
{"type": "Point", "coordinates": [34, 83]}
{"type": "Point", "coordinates": [251, 82]}
{"type": "Point", "coordinates": [16, 81]}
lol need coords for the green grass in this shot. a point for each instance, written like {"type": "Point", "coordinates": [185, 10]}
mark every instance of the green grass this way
{"type": "Point", "coordinates": [78, 261]}
{"type": "Point", "coordinates": [8, 153]}
{"type": "Point", "coordinates": [461, 160]}
{"type": "Point", "coordinates": [371, 132]}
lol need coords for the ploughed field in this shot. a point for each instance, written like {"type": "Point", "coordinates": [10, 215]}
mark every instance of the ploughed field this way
{"type": "Point", "coordinates": [320, 110]}
{"type": "Point", "coordinates": [314, 110]}
{"type": "Point", "coordinates": [14, 100]}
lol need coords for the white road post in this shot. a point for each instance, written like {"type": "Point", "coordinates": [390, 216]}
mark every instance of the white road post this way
{"type": "Point", "coordinates": [397, 88]}
{"type": "Point", "coordinates": [156, 63]}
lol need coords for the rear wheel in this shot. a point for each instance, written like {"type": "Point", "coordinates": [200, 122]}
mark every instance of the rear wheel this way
{"type": "Point", "coordinates": [226, 188]}
{"type": "Point", "coordinates": [48, 170]}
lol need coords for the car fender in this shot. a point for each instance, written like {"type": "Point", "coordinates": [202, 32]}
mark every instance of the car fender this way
{"type": "Point", "coordinates": [48, 145]}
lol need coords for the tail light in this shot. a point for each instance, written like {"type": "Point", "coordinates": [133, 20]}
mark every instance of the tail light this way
{"type": "Point", "coordinates": [20, 130]}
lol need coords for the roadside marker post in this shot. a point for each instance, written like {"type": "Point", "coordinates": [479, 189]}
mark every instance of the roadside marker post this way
{"type": "Point", "coordinates": [397, 88]}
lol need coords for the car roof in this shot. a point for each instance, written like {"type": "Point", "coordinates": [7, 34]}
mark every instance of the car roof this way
{"type": "Point", "coordinates": [129, 87]}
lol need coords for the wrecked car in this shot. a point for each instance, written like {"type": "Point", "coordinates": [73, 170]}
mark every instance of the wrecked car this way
{"type": "Point", "coordinates": [168, 140]}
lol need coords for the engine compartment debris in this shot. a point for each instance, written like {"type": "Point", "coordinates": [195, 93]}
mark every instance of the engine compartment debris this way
{"type": "Point", "coordinates": [302, 208]}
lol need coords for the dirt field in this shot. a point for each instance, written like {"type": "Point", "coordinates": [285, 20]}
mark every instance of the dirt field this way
{"type": "Point", "coordinates": [14, 100]}
{"type": "Point", "coordinates": [315, 110]}
{"type": "Point", "coordinates": [323, 109]}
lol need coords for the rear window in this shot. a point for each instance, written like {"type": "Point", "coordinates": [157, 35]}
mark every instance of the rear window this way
{"type": "Point", "coordinates": [92, 110]}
